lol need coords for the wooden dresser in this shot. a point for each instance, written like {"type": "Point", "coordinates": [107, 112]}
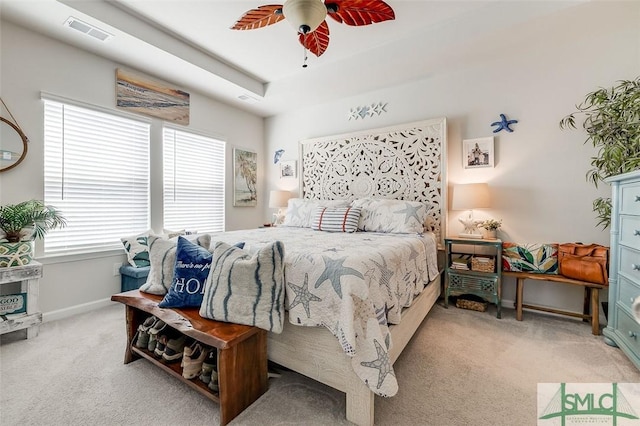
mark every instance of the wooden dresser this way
{"type": "Point", "coordinates": [624, 269]}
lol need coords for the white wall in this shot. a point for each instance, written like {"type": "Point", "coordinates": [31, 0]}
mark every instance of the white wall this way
{"type": "Point", "coordinates": [534, 73]}
{"type": "Point", "coordinates": [32, 63]}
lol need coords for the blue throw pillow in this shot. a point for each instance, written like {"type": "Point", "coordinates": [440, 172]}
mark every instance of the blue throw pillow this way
{"type": "Point", "coordinates": [190, 274]}
{"type": "Point", "coordinates": [191, 270]}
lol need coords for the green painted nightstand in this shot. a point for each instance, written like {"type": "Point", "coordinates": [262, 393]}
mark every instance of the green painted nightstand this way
{"type": "Point", "coordinates": [485, 284]}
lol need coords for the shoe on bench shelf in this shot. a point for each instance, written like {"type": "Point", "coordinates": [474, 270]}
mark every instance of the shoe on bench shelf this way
{"type": "Point", "coordinates": [157, 327]}
{"type": "Point", "coordinates": [142, 340]}
{"type": "Point", "coordinates": [192, 364]}
{"type": "Point", "coordinates": [209, 372]}
{"type": "Point", "coordinates": [189, 349]}
{"type": "Point", "coordinates": [209, 365]}
{"type": "Point", "coordinates": [174, 348]}
{"type": "Point", "coordinates": [161, 343]}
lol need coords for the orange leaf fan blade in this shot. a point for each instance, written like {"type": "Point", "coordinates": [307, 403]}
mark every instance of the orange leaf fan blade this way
{"type": "Point", "coordinates": [359, 12]}
{"type": "Point", "coordinates": [260, 17]}
{"type": "Point", "coordinates": [316, 41]}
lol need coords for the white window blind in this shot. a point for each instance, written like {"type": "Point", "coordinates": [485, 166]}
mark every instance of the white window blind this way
{"type": "Point", "coordinates": [193, 181]}
{"type": "Point", "coordinates": [96, 172]}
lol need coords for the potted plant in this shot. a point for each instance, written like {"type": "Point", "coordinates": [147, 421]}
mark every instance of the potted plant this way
{"type": "Point", "coordinates": [612, 122]}
{"type": "Point", "coordinates": [491, 226]}
{"type": "Point", "coordinates": [22, 223]}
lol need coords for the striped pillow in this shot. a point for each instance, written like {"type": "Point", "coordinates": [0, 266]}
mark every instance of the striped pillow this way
{"type": "Point", "coordinates": [336, 219]}
{"type": "Point", "coordinates": [244, 288]}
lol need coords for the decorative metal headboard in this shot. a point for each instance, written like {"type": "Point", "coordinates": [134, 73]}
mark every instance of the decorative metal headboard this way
{"type": "Point", "coordinates": [405, 162]}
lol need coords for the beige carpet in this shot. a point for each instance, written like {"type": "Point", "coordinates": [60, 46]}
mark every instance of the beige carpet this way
{"type": "Point", "coordinates": [461, 368]}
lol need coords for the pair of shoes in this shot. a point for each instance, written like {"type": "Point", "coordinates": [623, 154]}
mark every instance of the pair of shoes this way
{"type": "Point", "coordinates": [170, 345]}
{"type": "Point", "coordinates": [192, 360]}
{"type": "Point", "coordinates": [142, 341]}
{"type": "Point", "coordinates": [209, 371]}
{"type": "Point", "coordinates": [152, 332]}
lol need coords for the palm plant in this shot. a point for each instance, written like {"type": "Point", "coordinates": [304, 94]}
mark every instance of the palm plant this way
{"type": "Point", "coordinates": [612, 123]}
{"type": "Point", "coordinates": [29, 220]}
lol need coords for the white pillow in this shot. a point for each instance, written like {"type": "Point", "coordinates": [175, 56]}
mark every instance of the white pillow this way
{"type": "Point", "coordinates": [336, 219]}
{"type": "Point", "coordinates": [395, 216]}
{"type": "Point", "coordinates": [137, 249]}
{"type": "Point", "coordinates": [300, 211]}
{"type": "Point", "coordinates": [246, 288]}
{"type": "Point", "coordinates": [162, 255]}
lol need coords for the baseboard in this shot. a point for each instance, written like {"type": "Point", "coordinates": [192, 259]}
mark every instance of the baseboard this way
{"type": "Point", "coordinates": [75, 310]}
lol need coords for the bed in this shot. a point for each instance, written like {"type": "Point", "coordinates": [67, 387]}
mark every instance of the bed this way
{"type": "Point", "coordinates": [405, 162]}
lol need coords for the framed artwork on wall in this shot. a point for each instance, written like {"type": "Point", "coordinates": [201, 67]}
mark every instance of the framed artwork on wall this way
{"type": "Point", "coordinates": [138, 93]}
{"type": "Point", "coordinates": [477, 153]}
{"type": "Point", "coordinates": [245, 172]}
{"type": "Point", "coordinates": [288, 169]}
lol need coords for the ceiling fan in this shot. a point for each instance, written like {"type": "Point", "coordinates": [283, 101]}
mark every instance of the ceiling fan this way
{"type": "Point", "coordinates": [308, 18]}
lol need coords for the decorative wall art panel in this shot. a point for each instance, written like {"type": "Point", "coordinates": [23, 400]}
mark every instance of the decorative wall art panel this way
{"type": "Point", "coordinates": [245, 177]}
{"type": "Point", "coordinates": [136, 93]}
{"type": "Point", "coordinates": [405, 162]}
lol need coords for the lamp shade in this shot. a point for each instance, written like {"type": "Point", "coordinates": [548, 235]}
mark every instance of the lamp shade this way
{"type": "Point", "coordinates": [279, 199]}
{"type": "Point", "coordinates": [470, 196]}
{"type": "Point", "coordinates": [305, 15]}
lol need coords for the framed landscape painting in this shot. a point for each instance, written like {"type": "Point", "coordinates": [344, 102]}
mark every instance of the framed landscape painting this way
{"type": "Point", "coordinates": [477, 153]}
{"type": "Point", "coordinates": [140, 94]}
{"type": "Point", "coordinates": [245, 172]}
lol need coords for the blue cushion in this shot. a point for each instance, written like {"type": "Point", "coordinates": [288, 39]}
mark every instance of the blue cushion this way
{"type": "Point", "coordinates": [190, 274]}
{"type": "Point", "coordinates": [132, 278]}
{"type": "Point", "coordinates": [134, 272]}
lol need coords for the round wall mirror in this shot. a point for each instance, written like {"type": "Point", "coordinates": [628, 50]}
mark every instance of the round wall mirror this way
{"type": "Point", "coordinates": [13, 145]}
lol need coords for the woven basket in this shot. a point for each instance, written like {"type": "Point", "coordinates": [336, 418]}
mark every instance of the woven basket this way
{"type": "Point", "coordinates": [483, 266]}
{"type": "Point", "coordinates": [471, 305]}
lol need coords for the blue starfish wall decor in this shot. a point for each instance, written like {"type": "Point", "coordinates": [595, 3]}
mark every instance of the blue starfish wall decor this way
{"type": "Point", "coordinates": [503, 124]}
{"type": "Point", "coordinates": [277, 156]}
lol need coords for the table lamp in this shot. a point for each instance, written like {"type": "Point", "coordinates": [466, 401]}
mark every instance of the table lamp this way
{"type": "Point", "coordinates": [278, 200]}
{"type": "Point", "coordinates": [468, 197]}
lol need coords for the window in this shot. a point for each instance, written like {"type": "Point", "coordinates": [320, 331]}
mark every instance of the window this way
{"type": "Point", "coordinates": [193, 181]}
{"type": "Point", "coordinates": [96, 172]}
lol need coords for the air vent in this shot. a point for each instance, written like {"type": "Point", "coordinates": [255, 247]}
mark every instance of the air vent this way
{"type": "Point", "coordinates": [87, 29]}
{"type": "Point", "coordinates": [249, 99]}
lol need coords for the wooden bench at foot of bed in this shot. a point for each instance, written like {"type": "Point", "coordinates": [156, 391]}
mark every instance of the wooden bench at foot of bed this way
{"type": "Point", "coordinates": [591, 297]}
{"type": "Point", "coordinates": [242, 351]}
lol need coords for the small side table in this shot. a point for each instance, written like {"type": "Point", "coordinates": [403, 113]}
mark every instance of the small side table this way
{"type": "Point", "coordinates": [487, 285]}
{"type": "Point", "coordinates": [27, 279]}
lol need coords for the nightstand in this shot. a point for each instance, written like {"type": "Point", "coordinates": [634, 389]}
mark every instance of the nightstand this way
{"type": "Point", "coordinates": [483, 277]}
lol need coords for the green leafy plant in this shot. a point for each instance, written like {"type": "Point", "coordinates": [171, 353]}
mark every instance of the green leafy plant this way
{"type": "Point", "coordinates": [29, 220]}
{"type": "Point", "coordinates": [612, 122]}
{"type": "Point", "coordinates": [491, 224]}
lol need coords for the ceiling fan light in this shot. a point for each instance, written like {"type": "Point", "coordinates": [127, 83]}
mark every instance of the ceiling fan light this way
{"type": "Point", "coordinates": [305, 15]}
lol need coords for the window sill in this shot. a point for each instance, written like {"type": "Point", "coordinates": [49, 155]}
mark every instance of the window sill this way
{"type": "Point", "coordinates": [79, 256]}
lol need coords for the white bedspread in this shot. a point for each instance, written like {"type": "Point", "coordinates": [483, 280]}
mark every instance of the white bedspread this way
{"type": "Point", "coordinates": [352, 284]}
